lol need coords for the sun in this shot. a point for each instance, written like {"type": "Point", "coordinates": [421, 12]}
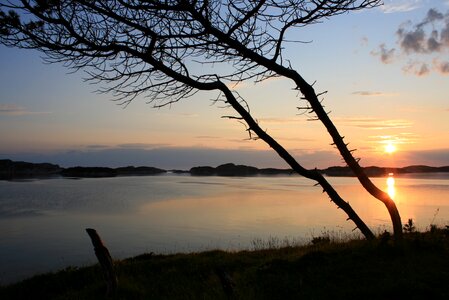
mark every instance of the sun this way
{"type": "Point", "coordinates": [390, 148]}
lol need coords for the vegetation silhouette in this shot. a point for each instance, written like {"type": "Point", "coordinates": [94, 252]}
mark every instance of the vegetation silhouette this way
{"type": "Point", "coordinates": [156, 48]}
{"type": "Point", "coordinates": [326, 268]}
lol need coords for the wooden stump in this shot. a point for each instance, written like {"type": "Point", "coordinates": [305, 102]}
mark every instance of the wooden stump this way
{"type": "Point", "coordinates": [105, 260]}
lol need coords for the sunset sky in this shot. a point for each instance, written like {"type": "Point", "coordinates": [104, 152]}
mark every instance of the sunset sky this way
{"type": "Point", "coordinates": [386, 71]}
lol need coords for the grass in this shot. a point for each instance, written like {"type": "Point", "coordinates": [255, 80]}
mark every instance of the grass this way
{"type": "Point", "coordinates": [417, 268]}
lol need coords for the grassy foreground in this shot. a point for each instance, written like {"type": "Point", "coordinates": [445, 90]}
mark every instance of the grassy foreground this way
{"type": "Point", "coordinates": [418, 268]}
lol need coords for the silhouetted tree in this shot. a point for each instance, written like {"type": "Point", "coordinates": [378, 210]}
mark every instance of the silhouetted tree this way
{"type": "Point", "coordinates": [154, 47]}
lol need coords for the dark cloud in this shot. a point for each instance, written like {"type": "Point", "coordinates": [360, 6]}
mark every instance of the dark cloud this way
{"type": "Point", "coordinates": [432, 43]}
{"type": "Point", "coordinates": [430, 36]}
{"type": "Point", "coordinates": [97, 146]}
{"type": "Point", "coordinates": [418, 40]}
{"type": "Point", "coordinates": [386, 55]}
{"type": "Point", "coordinates": [412, 41]}
{"type": "Point", "coordinates": [432, 16]}
{"type": "Point", "coordinates": [435, 158]}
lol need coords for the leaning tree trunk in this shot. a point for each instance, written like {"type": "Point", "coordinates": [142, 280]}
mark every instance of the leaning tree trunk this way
{"type": "Point", "coordinates": [254, 127]}
{"type": "Point", "coordinates": [310, 95]}
{"type": "Point", "coordinates": [311, 174]}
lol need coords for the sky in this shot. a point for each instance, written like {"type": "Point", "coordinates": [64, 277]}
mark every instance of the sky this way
{"type": "Point", "coordinates": [385, 70]}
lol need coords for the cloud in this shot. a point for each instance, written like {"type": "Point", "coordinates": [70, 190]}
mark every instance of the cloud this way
{"type": "Point", "coordinates": [143, 146]}
{"type": "Point", "coordinates": [364, 41]}
{"type": "Point", "coordinates": [207, 137]}
{"type": "Point", "coordinates": [424, 41]}
{"type": "Point", "coordinates": [97, 146]}
{"type": "Point", "coordinates": [289, 139]}
{"type": "Point", "coordinates": [398, 139]}
{"type": "Point", "coordinates": [417, 68]}
{"type": "Point", "coordinates": [15, 110]}
{"type": "Point", "coordinates": [412, 41]}
{"type": "Point", "coordinates": [281, 120]}
{"type": "Point", "coordinates": [370, 93]}
{"type": "Point", "coordinates": [374, 123]}
{"type": "Point", "coordinates": [419, 39]}
{"type": "Point", "coordinates": [439, 157]}
{"type": "Point", "coordinates": [397, 6]}
{"type": "Point", "coordinates": [189, 115]}
{"type": "Point", "coordinates": [441, 66]}
{"type": "Point", "coordinates": [386, 55]}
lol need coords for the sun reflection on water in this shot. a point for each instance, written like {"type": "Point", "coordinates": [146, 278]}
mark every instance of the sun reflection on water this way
{"type": "Point", "coordinates": [391, 190]}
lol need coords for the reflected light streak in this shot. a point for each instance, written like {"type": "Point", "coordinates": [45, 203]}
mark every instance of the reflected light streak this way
{"type": "Point", "coordinates": [390, 186]}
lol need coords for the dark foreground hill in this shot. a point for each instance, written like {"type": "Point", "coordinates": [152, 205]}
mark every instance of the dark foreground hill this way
{"type": "Point", "coordinates": [417, 268]}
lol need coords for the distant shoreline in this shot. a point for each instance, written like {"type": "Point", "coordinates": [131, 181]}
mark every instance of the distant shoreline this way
{"type": "Point", "coordinates": [21, 170]}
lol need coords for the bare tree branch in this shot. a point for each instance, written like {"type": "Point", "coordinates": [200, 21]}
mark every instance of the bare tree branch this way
{"type": "Point", "coordinates": [168, 50]}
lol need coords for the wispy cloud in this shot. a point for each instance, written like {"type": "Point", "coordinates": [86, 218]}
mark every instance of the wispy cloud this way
{"type": "Point", "coordinates": [189, 115]}
{"type": "Point", "coordinates": [364, 41]}
{"type": "Point", "coordinates": [97, 147]}
{"type": "Point", "coordinates": [371, 93]}
{"type": "Point", "coordinates": [207, 137]}
{"type": "Point", "coordinates": [374, 123]}
{"type": "Point", "coordinates": [397, 139]}
{"type": "Point", "coordinates": [396, 6]}
{"type": "Point", "coordinates": [281, 120]}
{"type": "Point", "coordinates": [290, 139]}
{"type": "Point", "coordinates": [15, 110]}
{"type": "Point", "coordinates": [425, 41]}
{"type": "Point", "coordinates": [142, 146]}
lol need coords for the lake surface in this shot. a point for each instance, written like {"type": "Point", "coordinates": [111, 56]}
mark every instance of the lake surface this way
{"type": "Point", "coordinates": [42, 222]}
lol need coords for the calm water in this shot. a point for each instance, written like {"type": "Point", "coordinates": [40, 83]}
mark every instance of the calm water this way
{"type": "Point", "coordinates": [42, 222]}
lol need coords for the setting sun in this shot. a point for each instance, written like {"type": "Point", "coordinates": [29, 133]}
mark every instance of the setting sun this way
{"type": "Point", "coordinates": [390, 148]}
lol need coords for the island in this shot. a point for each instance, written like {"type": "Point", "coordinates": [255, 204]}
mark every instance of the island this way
{"type": "Point", "coordinates": [18, 170]}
